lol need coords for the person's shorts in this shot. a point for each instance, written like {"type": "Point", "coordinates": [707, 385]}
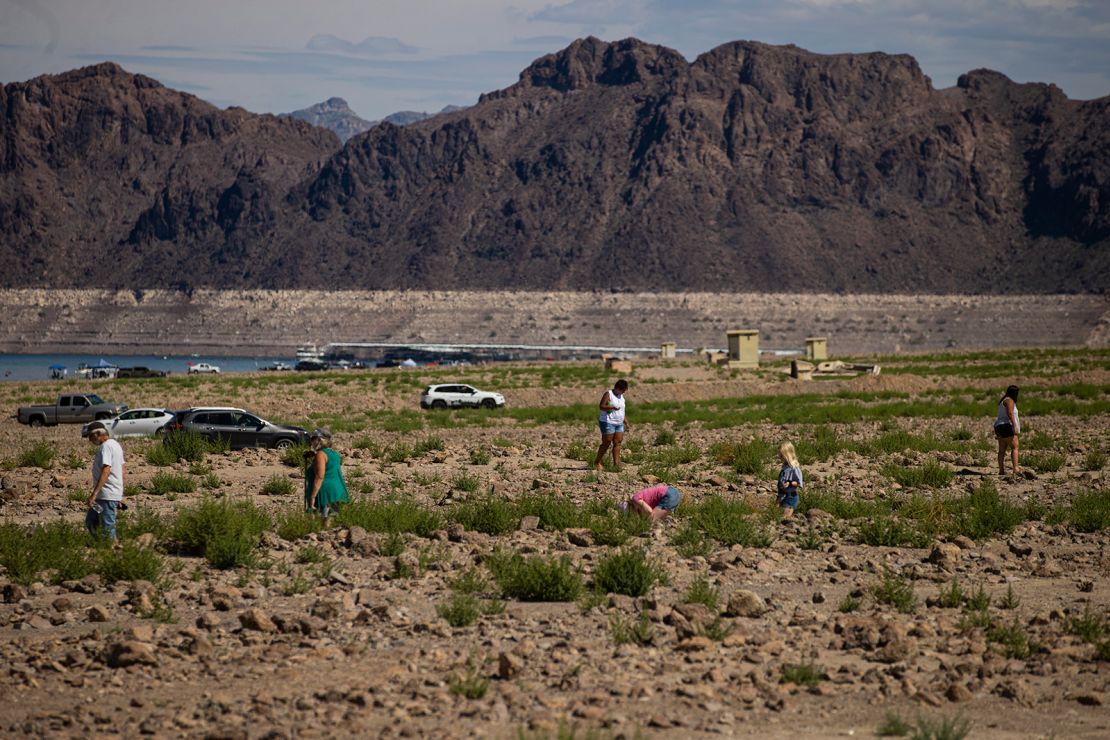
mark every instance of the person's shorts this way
{"type": "Point", "coordinates": [607, 429]}
{"type": "Point", "coordinates": [1004, 430]}
{"type": "Point", "coordinates": [788, 500]}
{"type": "Point", "coordinates": [670, 499]}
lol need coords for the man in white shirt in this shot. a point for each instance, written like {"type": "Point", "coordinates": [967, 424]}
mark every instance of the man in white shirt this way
{"type": "Point", "coordinates": [107, 480]}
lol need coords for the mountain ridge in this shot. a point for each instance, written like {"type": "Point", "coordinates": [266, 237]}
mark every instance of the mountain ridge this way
{"type": "Point", "coordinates": [607, 165]}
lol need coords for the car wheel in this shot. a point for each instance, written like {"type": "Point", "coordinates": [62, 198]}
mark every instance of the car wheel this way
{"type": "Point", "coordinates": [439, 404]}
{"type": "Point", "coordinates": [37, 421]}
{"type": "Point", "coordinates": [489, 403]}
{"type": "Point", "coordinates": [283, 444]}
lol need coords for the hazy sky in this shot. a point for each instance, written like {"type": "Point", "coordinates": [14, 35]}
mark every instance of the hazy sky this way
{"type": "Point", "coordinates": [389, 55]}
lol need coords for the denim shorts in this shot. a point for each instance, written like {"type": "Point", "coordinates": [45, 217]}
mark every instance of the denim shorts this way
{"type": "Point", "coordinates": [607, 429]}
{"type": "Point", "coordinates": [788, 500]}
{"type": "Point", "coordinates": [670, 499]}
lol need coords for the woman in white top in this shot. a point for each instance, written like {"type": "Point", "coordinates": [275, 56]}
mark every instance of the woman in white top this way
{"type": "Point", "coordinates": [1007, 427]}
{"type": "Point", "coordinates": [612, 424]}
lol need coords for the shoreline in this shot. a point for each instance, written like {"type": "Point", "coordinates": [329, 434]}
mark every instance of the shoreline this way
{"type": "Point", "coordinates": [274, 322]}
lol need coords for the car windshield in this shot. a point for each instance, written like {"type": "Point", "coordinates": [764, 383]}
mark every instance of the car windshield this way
{"type": "Point", "coordinates": [94, 399]}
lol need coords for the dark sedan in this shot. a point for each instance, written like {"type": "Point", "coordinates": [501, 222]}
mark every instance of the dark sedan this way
{"type": "Point", "coordinates": [240, 428]}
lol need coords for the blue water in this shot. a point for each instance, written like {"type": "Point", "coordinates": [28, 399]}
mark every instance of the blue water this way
{"type": "Point", "coordinates": [37, 367]}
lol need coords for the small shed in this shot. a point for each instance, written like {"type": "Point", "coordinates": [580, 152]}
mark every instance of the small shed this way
{"type": "Point", "coordinates": [743, 348]}
{"type": "Point", "coordinates": [817, 348]}
{"type": "Point", "coordinates": [617, 365]}
{"type": "Point", "coordinates": [668, 350]}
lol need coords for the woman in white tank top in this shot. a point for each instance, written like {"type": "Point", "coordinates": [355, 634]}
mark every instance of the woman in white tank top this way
{"type": "Point", "coordinates": [1007, 427]}
{"type": "Point", "coordinates": [611, 423]}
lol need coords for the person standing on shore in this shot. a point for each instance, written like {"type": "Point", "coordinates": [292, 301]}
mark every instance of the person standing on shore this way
{"type": "Point", "coordinates": [324, 488]}
{"type": "Point", "coordinates": [612, 423]}
{"type": "Point", "coordinates": [790, 481]}
{"type": "Point", "coordinates": [1007, 427]}
{"type": "Point", "coordinates": [107, 481]}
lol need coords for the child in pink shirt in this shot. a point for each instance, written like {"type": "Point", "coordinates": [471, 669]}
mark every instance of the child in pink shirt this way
{"type": "Point", "coordinates": [656, 503]}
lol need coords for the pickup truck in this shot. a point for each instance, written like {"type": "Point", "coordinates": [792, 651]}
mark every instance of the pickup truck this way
{"type": "Point", "coordinates": [140, 372]}
{"type": "Point", "coordinates": [70, 409]}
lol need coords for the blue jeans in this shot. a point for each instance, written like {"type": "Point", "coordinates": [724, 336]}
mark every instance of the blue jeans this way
{"type": "Point", "coordinates": [105, 520]}
{"type": "Point", "coordinates": [607, 429]}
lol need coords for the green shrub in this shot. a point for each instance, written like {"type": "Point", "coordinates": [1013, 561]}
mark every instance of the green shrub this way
{"type": "Point", "coordinates": [750, 458]}
{"type": "Point", "coordinates": [130, 563]}
{"type": "Point", "coordinates": [25, 552]}
{"type": "Point", "coordinates": [689, 541]}
{"type": "Point", "coordinates": [555, 512]}
{"type": "Point", "coordinates": [469, 685]}
{"type": "Point", "coordinates": [1090, 626]}
{"type": "Point", "coordinates": [701, 591]}
{"type": "Point", "coordinates": [297, 455]}
{"type": "Point", "coordinates": [479, 456]}
{"type": "Point", "coordinates": [930, 475]}
{"type": "Point", "coordinates": [161, 456]}
{"type": "Point", "coordinates": [628, 572]}
{"type": "Point", "coordinates": [278, 485]}
{"type": "Point", "coordinates": [952, 597]}
{"type": "Point", "coordinates": [390, 516]}
{"type": "Point", "coordinates": [1013, 640]}
{"type": "Point", "coordinates": [824, 445]}
{"type": "Point", "coordinates": [946, 728]}
{"type": "Point", "coordinates": [893, 726]}
{"type": "Point", "coordinates": [978, 600]}
{"type": "Point", "coordinates": [163, 483]}
{"type": "Point", "coordinates": [537, 578]}
{"type": "Point", "coordinates": [1010, 600]}
{"type": "Point", "coordinates": [470, 581]}
{"type": "Point", "coordinates": [1094, 460]}
{"type": "Point", "coordinates": [310, 554]}
{"type": "Point", "coordinates": [466, 483]}
{"type": "Point", "coordinates": [224, 531]}
{"type": "Point", "coordinates": [728, 522]}
{"type": "Point", "coordinates": [891, 531]}
{"type": "Point", "coordinates": [462, 610]}
{"type": "Point", "coordinates": [1088, 512]}
{"type": "Point", "coordinates": [294, 525]}
{"type": "Point", "coordinates": [895, 591]}
{"type": "Point", "coordinates": [841, 506]}
{"type": "Point", "coordinates": [38, 455]}
{"type": "Point", "coordinates": [490, 515]}
{"type": "Point", "coordinates": [849, 604]}
{"type": "Point", "coordinates": [983, 513]}
{"type": "Point", "coordinates": [803, 674]}
{"type": "Point", "coordinates": [663, 438]}
{"type": "Point", "coordinates": [188, 445]}
{"type": "Point", "coordinates": [131, 524]}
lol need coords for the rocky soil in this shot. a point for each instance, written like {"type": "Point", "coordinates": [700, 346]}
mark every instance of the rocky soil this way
{"type": "Point", "coordinates": [361, 651]}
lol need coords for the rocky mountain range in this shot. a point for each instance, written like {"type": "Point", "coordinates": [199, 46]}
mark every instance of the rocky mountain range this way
{"type": "Point", "coordinates": [607, 166]}
{"type": "Point", "coordinates": [335, 114]}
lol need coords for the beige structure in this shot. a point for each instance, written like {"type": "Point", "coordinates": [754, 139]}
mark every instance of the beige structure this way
{"type": "Point", "coordinates": [618, 366]}
{"type": "Point", "coordinates": [817, 349]}
{"type": "Point", "coordinates": [715, 358]}
{"type": "Point", "coordinates": [668, 350]}
{"type": "Point", "coordinates": [743, 348]}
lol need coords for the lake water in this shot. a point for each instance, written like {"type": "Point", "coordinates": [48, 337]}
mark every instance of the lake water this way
{"type": "Point", "coordinates": [37, 367]}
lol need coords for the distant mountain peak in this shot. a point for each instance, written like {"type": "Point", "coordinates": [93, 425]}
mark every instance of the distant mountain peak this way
{"type": "Point", "coordinates": [335, 114]}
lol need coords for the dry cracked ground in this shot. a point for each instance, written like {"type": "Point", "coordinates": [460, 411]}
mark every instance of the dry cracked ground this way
{"type": "Point", "coordinates": [474, 587]}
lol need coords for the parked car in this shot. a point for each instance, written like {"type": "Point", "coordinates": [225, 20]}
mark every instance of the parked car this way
{"type": "Point", "coordinates": [450, 395]}
{"type": "Point", "coordinates": [70, 409]}
{"type": "Point", "coordinates": [140, 422]}
{"type": "Point", "coordinates": [311, 364]}
{"type": "Point", "coordinates": [203, 367]}
{"type": "Point", "coordinates": [139, 372]}
{"type": "Point", "coordinates": [278, 366]}
{"type": "Point", "coordinates": [240, 428]}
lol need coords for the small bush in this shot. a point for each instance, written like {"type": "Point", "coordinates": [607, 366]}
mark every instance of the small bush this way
{"type": "Point", "coordinates": [184, 444]}
{"type": "Point", "coordinates": [727, 522]}
{"type": "Point", "coordinates": [638, 632]}
{"type": "Point", "coordinates": [953, 596]}
{"type": "Point", "coordinates": [803, 674]}
{"type": "Point", "coordinates": [1088, 512]}
{"type": "Point", "coordinates": [469, 685]}
{"type": "Point", "coordinates": [628, 572]}
{"type": "Point", "coordinates": [161, 456]}
{"type": "Point", "coordinates": [848, 605]}
{"type": "Point", "coordinates": [490, 515]}
{"type": "Point", "coordinates": [690, 542]}
{"type": "Point", "coordinates": [1013, 640]}
{"type": "Point", "coordinates": [462, 610]}
{"type": "Point", "coordinates": [893, 726]}
{"type": "Point", "coordinates": [537, 578]}
{"type": "Point", "coordinates": [130, 563]}
{"type": "Point", "coordinates": [163, 483]}
{"type": "Point", "coordinates": [555, 512]}
{"type": "Point", "coordinates": [1089, 626]}
{"type": "Point", "coordinates": [983, 513]}
{"type": "Point", "coordinates": [25, 552]}
{"type": "Point", "coordinates": [471, 581]}
{"type": "Point", "coordinates": [1094, 460]}
{"type": "Point", "coordinates": [479, 456]}
{"type": "Point", "coordinates": [390, 516]}
{"type": "Point", "coordinates": [701, 591]}
{"type": "Point", "coordinates": [393, 545]}
{"type": "Point", "coordinates": [295, 525]}
{"type": "Point", "coordinates": [663, 438]}
{"type": "Point", "coordinates": [811, 539]}
{"type": "Point", "coordinates": [278, 485]}
{"type": "Point", "coordinates": [310, 554]}
{"type": "Point", "coordinates": [1010, 600]}
{"type": "Point", "coordinates": [225, 532]}
{"type": "Point", "coordinates": [38, 455]}
{"type": "Point", "coordinates": [894, 591]}
{"type": "Point", "coordinates": [466, 483]}
{"type": "Point", "coordinates": [751, 457]}
{"type": "Point", "coordinates": [945, 728]}
{"type": "Point", "coordinates": [889, 531]}
{"type": "Point", "coordinates": [614, 530]}
{"type": "Point", "coordinates": [297, 455]}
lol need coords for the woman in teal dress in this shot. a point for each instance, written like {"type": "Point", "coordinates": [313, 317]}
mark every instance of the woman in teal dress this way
{"type": "Point", "coordinates": [324, 488]}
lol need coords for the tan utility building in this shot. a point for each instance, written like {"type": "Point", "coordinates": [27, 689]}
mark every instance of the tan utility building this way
{"type": "Point", "coordinates": [743, 348]}
{"type": "Point", "coordinates": [668, 350]}
{"type": "Point", "coordinates": [817, 349]}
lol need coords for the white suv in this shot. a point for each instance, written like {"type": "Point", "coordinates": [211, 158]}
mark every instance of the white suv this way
{"type": "Point", "coordinates": [456, 395]}
{"type": "Point", "coordinates": [203, 367]}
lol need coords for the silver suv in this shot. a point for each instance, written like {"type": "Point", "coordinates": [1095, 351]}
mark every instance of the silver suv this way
{"type": "Point", "coordinates": [455, 395]}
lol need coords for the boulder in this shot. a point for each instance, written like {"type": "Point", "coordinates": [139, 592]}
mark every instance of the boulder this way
{"type": "Point", "coordinates": [744, 603]}
{"type": "Point", "coordinates": [256, 619]}
{"type": "Point", "coordinates": [131, 652]}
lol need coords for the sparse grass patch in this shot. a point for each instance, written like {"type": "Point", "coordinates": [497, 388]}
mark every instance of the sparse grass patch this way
{"type": "Point", "coordinates": [889, 531]}
{"type": "Point", "coordinates": [690, 542]}
{"type": "Point", "coordinates": [462, 610]}
{"type": "Point", "coordinates": [1087, 512]}
{"type": "Point", "coordinates": [490, 515]}
{"type": "Point", "coordinates": [38, 455]}
{"type": "Point", "coordinates": [294, 525]}
{"type": "Point", "coordinates": [182, 444]}
{"type": "Point", "coordinates": [130, 563]}
{"type": "Point", "coordinates": [728, 522]}
{"type": "Point", "coordinates": [806, 673]}
{"type": "Point", "coordinates": [390, 516]}
{"type": "Point", "coordinates": [750, 458]}
{"type": "Point", "coordinates": [849, 604]}
{"type": "Point", "coordinates": [945, 728]}
{"type": "Point", "coordinates": [471, 684]}
{"type": "Point", "coordinates": [1013, 640]}
{"type": "Point", "coordinates": [628, 572]}
{"type": "Point", "coordinates": [893, 726]}
{"type": "Point", "coordinates": [701, 591]}
{"type": "Point", "coordinates": [1045, 462]}
{"type": "Point", "coordinates": [466, 483]}
{"type": "Point", "coordinates": [297, 455]}
{"type": "Point", "coordinates": [554, 512]}
{"type": "Point", "coordinates": [635, 632]}
{"type": "Point", "coordinates": [930, 475]}
{"type": "Point", "coordinates": [278, 485]}
{"type": "Point", "coordinates": [479, 456]}
{"type": "Point", "coordinates": [224, 531]}
{"type": "Point", "coordinates": [310, 554]}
